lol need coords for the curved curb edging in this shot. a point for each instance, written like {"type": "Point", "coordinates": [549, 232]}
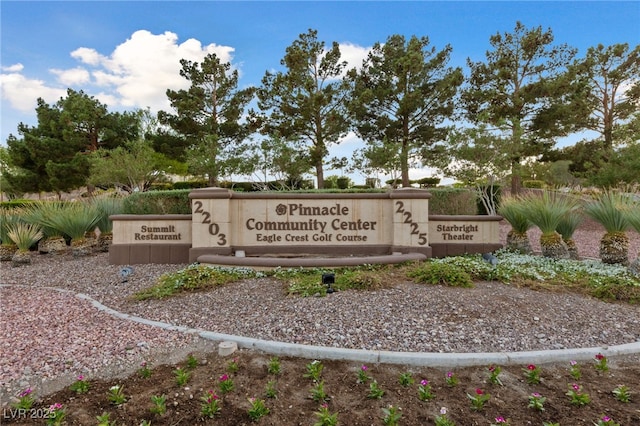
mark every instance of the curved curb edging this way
{"type": "Point", "coordinates": [431, 359]}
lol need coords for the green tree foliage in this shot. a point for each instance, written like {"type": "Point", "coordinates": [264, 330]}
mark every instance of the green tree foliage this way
{"type": "Point", "coordinates": [613, 75]}
{"type": "Point", "coordinates": [402, 97]}
{"type": "Point", "coordinates": [207, 116]}
{"type": "Point", "coordinates": [133, 167]}
{"type": "Point", "coordinates": [623, 168]}
{"type": "Point", "coordinates": [525, 93]}
{"type": "Point", "coordinates": [287, 162]}
{"type": "Point", "coordinates": [307, 102]}
{"type": "Point", "coordinates": [52, 156]}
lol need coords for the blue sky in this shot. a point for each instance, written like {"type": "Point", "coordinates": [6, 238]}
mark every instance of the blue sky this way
{"type": "Point", "coordinates": [126, 53]}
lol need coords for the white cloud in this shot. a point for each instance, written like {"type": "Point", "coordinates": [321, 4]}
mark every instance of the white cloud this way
{"type": "Point", "coordinates": [140, 70]}
{"type": "Point", "coordinates": [353, 54]}
{"type": "Point", "coordinates": [13, 68]}
{"type": "Point", "coordinates": [72, 77]}
{"type": "Point", "coordinates": [22, 92]}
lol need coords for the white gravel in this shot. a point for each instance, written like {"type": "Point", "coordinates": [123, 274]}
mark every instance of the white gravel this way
{"type": "Point", "coordinates": [49, 336]}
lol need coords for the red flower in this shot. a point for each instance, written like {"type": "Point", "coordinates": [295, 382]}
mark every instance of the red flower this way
{"type": "Point", "coordinates": [531, 367]}
{"type": "Point", "coordinates": [479, 391]}
{"type": "Point", "coordinates": [599, 357]}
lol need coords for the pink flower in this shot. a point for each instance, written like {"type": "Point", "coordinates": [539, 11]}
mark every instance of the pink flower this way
{"type": "Point", "coordinates": [224, 377]}
{"type": "Point", "coordinates": [56, 406]}
{"type": "Point", "coordinates": [531, 367]}
{"type": "Point", "coordinates": [492, 368]}
{"type": "Point", "coordinates": [500, 419]}
{"type": "Point", "coordinates": [25, 392]}
{"type": "Point", "coordinates": [325, 405]}
{"type": "Point", "coordinates": [575, 387]}
{"type": "Point", "coordinates": [81, 377]}
{"type": "Point", "coordinates": [573, 363]}
{"type": "Point", "coordinates": [479, 391]}
{"type": "Point", "coordinates": [364, 368]}
{"type": "Point", "coordinates": [606, 419]}
{"type": "Point", "coordinates": [424, 382]}
{"type": "Point", "coordinates": [536, 395]}
{"type": "Point", "coordinates": [449, 374]}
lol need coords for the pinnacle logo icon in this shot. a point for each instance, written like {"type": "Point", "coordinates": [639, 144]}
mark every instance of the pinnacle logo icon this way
{"type": "Point", "coordinates": [281, 209]}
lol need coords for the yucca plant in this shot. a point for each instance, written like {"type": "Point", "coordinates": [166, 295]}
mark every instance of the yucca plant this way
{"type": "Point", "coordinates": [517, 238]}
{"type": "Point", "coordinates": [567, 227]}
{"type": "Point", "coordinates": [547, 211]}
{"type": "Point", "coordinates": [76, 220]}
{"type": "Point", "coordinates": [24, 235]}
{"type": "Point", "coordinates": [609, 209]}
{"type": "Point", "coordinates": [633, 217]}
{"type": "Point", "coordinates": [7, 246]}
{"type": "Point", "coordinates": [53, 238]}
{"type": "Point", "coordinates": [107, 207]}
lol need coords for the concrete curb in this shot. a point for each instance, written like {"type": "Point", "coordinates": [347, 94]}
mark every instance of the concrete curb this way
{"type": "Point", "coordinates": [418, 359]}
{"type": "Point", "coordinates": [430, 359]}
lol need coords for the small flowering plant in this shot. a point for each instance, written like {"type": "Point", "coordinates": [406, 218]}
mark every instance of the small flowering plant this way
{"type": "Point", "coordinates": [159, 404]}
{"type": "Point", "coordinates": [425, 393]}
{"type": "Point", "coordinates": [622, 393]}
{"type": "Point", "coordinates": [116, 395]}
{"type": "Point", "coordinates": [406, 379]}
{"type": "Point", "coordinates": [450, 379]}
{"type": "Point", "coordinates": [257, 409]}
{"type": "Point", "coordinates": [182, 376]}
{"type": "Point", "coordinates": [210, 406]}
{"type": "Point", "coordinates": [606, 421]}
{"type": "Point", "coordinates": [532, 373]}
{"type": "Point", "coordinates": [25, 399]}
{"type": "Point", "coordinates": [374, 391]}
{"type": "Point", "coordinates": [494, 372]}
{"type": "Point", "coordinates": [479, 399]}
{"type": "Point", "coordinates": [577, 396]}
{"type": "Point", "coordinates": [392, 415]}
{"type": "Point", "coordinates": [232, 366]}
{"type": "Point", "coordinates": [363, 377]}
{"type": "Point", "coordinates": [271, 391]}
{"type": "Point", "coordinates": [500, 421]}
{"type": "Point", "coordinates": [56, 414]}
{"type": "Point", "coordinates": [442, 419]}
{"type": "Point", "coordinates": [144, 371]}
{"type": "Point", "coordinates": [314, 370]}
{"type": "Point", "coordinates": [601, 363]}
{"type": "Point", "coordinates": [317, 392]}
{"type": "Point", "coordinates": [536, 401]}
{"type": "Point", "coordinates": [574, 370]}
{"type": "Point", "coordinates": [81, 385]}
{"type": "Point", "coordinates": [226, 384]}
{"type": "Point", "coordinates": [274, 366]}
{"type": "Point", "coordinates": [325, 417]}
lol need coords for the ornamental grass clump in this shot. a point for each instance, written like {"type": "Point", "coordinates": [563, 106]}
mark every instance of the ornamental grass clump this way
{"type": "Point", "coordinates": [547, 211]}
{"type": "Point", "coordinates": [567, 227]}
{"type": "Point", "coordinates": [517, 238]}
{"type": "Point", "coordinates": [609, 209]}
{"type": "Point", "coordinates": [24, 235]}
{"type": "Point", "coordinates": [53, 241]}
{"type": "Point", "coordinates": [107, 207]}
{"type": "Point", "coordinates": [7, 245]}
{"type": "Point", "coordinates": [76, 220]}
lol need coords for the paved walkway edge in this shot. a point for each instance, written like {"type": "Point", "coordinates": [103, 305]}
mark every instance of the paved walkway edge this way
{"type": "Point", "coordinates": [427, 359]}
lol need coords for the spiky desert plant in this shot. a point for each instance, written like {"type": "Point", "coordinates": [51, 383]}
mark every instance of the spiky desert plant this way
{"type": "Point", "coordinates": [24, 235]}
{"type": "Point", "coordinates": [633, 217]}
{"type": "Point", "coordinates": [517, 238]}
{"type": "Point", "coordinates": [53, 238]}
{"type": "Point", "coordinates": [107, 207]}
{"type": "Point", "coordinates": [546, 211]}
{"type": "Point", "coordinates": [609, 209]}
{"type": "Point", "coordinates": [567, 227]}
{"type": "Point", "coordinates": [75, 220]}
{"type": "Point", "coordinates": [7, 245]}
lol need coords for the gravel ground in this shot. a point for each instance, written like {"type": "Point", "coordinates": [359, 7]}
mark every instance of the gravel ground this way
{"type": "Point", "coordinates": [50, 336]}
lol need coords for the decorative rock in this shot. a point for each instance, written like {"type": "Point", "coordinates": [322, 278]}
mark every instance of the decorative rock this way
{"type": "Point", "coordinates": [227, 348]}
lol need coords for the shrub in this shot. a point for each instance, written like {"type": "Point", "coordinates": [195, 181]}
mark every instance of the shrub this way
{"type": "Point", "coordinates": [24, 235]}
{"type": "Point", "coordinates": [452, 201]}
{"type": "Point", "coordinates": [440, 273]}
{"type": "Point", "coordinates": [158, 202]}
{"type": "Point", "coordinates": [107, 207]}
{"type": "Point", "coordinates": [538, 184]}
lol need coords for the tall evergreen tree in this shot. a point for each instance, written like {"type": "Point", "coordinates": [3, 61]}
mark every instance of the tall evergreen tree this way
{"type": "Point", "coordinates": [613, 75]}
{"type": "Point", "coordinates": [208, 116]}
{"type": "Point", "coordinates": [403, 96]}
{"type": "Point", "coordinates": [524, 92]}
{"type": "Point", "coordinates": [307, 101]}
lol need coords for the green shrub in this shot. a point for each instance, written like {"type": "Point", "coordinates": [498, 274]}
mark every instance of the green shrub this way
{"type": "Point", "coordinates": [440, 273]}
{"type": "Point", "coordinates": [192, 184]}
{"type": "Point", "coordinates": [452, 201]}
{"type": "Point", "coordinates": [158, 202]}
{"type": "Point", "coordinates": [538, 184]}
{"type": "Point", "coordinates": [15, 204]}
{"type": "Point", "coordinates": [428, 182]}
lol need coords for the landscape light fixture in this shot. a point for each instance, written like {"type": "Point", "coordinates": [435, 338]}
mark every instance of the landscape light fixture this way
{"type": "Point", "coordinates": [125, 272]}
{"type": "Point", "coordinates": [328, 279]}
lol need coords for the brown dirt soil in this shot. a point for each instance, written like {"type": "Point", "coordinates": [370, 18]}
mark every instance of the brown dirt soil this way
{"type": "Point", "coordinates": [294, 405]}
